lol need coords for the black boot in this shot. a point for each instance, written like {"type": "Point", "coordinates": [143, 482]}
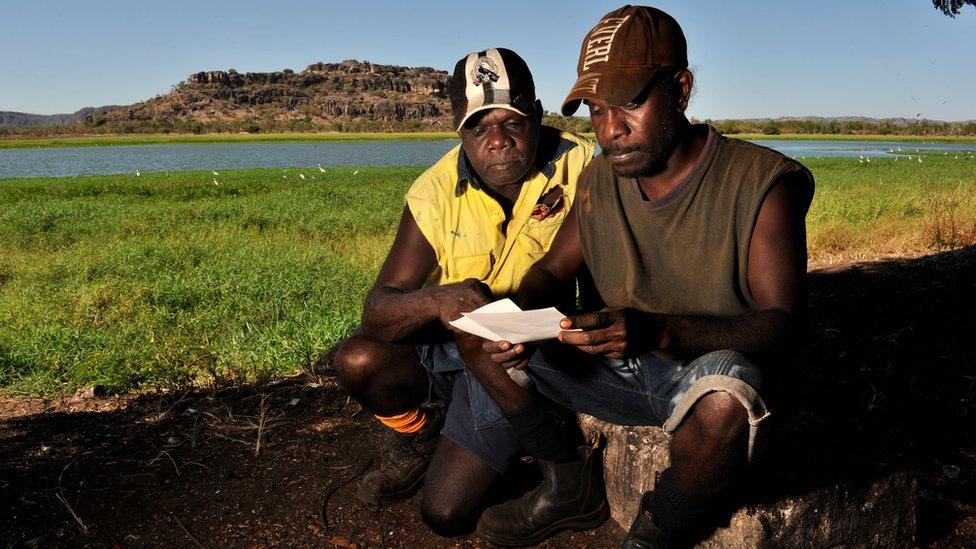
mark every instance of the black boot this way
{"type": "Point", "coordinates": [571, 496]}
{"type": "Point", "coordinates": [644, 533]}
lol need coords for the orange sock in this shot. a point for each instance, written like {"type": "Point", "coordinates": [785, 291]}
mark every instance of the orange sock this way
{"type": "Point", "coordinates": [407, 422]}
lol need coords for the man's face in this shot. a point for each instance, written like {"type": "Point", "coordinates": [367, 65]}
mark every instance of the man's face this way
{"type": "Point", "coordinates": [639, 138]}
{"type": "Point", "coordinates": [501, 146]}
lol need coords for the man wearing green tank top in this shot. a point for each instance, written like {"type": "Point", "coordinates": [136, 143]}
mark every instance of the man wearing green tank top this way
{"type": "Point", "coordinates": [697, 248]}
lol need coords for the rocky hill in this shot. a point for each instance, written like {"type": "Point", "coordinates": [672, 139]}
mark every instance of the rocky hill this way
{"type": "Point", "coordinates": [346, 95]}
{"type": "Point", "coordinates": [23, 119]}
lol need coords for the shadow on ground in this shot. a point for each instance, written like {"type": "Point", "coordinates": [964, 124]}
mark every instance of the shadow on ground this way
{"type": "Point", "coordinates": [886, 384]}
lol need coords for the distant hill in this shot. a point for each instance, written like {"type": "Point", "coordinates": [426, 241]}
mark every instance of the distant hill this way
{"type": "Point", "coordinates": [347, 96]}
{"type": "Point", "coordinates": [81, 116]}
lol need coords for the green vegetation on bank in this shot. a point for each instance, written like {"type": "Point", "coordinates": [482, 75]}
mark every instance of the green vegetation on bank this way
{"type": "Point", "coordinates": [167, 280]}
{"type": "Point", "coordinates": [168, 139]}
{"type": "Point", "coordinates": [171, 139]}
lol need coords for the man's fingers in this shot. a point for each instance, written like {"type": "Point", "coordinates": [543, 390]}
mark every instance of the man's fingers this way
{"type": "Point", "coordinates": [495, 347]}
{"type": "Point", "coordinates": [588, 337]}
{"type": "Point", "coordinates": [611, 350]}
{"type": "Point", "coordinates": [588, 321]}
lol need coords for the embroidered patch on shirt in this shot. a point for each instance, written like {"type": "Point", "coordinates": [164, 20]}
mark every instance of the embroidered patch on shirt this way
{"type": "Point", "coordinates": [548, 204]}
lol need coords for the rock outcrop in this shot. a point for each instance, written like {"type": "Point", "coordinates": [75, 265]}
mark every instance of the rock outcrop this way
{"type": "Point", "coordinates": [322, 93]}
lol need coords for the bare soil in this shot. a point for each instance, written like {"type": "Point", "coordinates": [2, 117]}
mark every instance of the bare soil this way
{"type": "Point", "coordinates": [887, 378]}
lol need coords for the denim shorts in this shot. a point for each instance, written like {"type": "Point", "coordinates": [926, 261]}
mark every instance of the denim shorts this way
{"type": "Point", "coordinates": [646, 390]}
{"type": "Point", "coordinates": [473, 420]}
{"type": "Point", "coordinates": [649, 390]}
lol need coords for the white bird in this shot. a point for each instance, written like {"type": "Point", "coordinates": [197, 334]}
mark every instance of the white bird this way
{"type": "Point", "coordinates": [302, 176]}
{"type": "Point", "coordinates": [215, 173]}
{"type": "Point", "coordinates": [137, 173]}
{"type": "Point", "coordinates": [920, 160]}
{"type": "Point", "coordinates": [216, 182]}
{"type": "Point", "coordinates": [859, 161]}
{"type": "Point", "coordinates": [355, 172]}
{"type": "Point", "coordinates": [896, 159]}
{"type": "Point", "coordinates": [867, 159]}
{"type": "Point", "coordinates": [321, 169]}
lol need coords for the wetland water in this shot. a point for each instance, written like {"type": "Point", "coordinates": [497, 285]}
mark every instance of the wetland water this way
{"type": "Point", "coordinates": [77, 161]}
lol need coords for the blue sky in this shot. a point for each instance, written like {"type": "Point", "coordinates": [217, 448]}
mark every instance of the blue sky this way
{"type": "Point", "coordinates": [751, 58]}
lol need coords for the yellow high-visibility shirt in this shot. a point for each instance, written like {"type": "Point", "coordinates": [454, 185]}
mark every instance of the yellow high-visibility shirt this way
{"type": "Point", "coordinates": [464, 225]}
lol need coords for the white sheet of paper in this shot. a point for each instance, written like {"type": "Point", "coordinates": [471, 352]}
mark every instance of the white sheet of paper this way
{"type": "Point", "coordinates": [503, 320]}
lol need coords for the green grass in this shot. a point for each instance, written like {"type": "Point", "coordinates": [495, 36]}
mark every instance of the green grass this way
{"type": "Point", "coordinates": [168, 280]}
{"type": "Point", "coordinates": [164, 139]}
{"type": "Point", "coordinates": [869, 210]}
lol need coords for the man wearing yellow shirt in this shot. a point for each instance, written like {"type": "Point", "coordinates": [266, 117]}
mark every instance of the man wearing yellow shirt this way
{"type": "Point", "coordinates": [472, 226]}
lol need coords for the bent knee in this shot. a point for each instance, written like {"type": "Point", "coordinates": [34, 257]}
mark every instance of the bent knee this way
{"type": "Point", "coordinates": [356, 362]}
{"type": "Point", "coordinates": [446, 520]}
{"type": "Point", "coordinates": [721, 415]}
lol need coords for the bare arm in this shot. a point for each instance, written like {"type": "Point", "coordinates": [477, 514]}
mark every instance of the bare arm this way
{"type": "Point", "coordinates": [777, 271]}
{"type": "Point", "coordinates": [398, 306]}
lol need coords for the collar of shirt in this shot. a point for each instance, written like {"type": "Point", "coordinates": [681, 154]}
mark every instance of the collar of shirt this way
{"type": "Point", "coordinates": [551, 148]}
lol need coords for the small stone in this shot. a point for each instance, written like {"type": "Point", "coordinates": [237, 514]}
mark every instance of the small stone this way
{"type": "Point", "coordinates": [172, 441]}
{"type": "Point", "coordinates": [951, 472]}
{"type": "Point", "coordinates": [91, 391]}
{"type": "Point", "coordinates": [294, 401]}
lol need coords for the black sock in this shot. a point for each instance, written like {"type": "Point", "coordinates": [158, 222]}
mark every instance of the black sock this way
{"type": "Point", "coordinates": [542, 436]}
{"type": "Point", "coordinates": [673, 511]}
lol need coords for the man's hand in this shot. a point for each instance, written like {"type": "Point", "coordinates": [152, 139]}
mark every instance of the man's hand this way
{"type": "Point", "coordinates": [461, 297]}
{"type": "Point", "coordinates": [507, 355]}
{"type": "Point", "coordinates": [615, 333]}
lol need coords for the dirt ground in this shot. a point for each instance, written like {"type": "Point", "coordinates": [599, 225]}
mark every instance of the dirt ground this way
{"type": "Point", "coordinates": [887, 378]}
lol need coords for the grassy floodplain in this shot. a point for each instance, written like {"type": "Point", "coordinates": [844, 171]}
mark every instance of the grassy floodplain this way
{"type": "Point", "coordinates": [168, 280]}
{"type": "Point", "coordinates": [172, 139]}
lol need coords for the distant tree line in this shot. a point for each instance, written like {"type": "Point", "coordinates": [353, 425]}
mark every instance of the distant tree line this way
{"type": "Point", "coordinates": [846, 127]}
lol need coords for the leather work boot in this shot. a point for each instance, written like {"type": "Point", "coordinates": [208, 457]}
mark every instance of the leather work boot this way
{"type": "Point", "coordinates": [571, 496]}
{"type": "Point", "coordinates": [404, 468]}
{"type": "Point", "coordinates": [644, 533]}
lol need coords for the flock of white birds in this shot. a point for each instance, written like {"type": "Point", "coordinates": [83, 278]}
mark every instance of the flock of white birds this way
{"type": "Point", "coordinates": [300, 174]}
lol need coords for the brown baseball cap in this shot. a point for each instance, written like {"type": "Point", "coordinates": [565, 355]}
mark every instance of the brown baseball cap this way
{"type": "Point", "coordinates": [496, 78]}
{"type": "Point", "coordinates": [621, 54]}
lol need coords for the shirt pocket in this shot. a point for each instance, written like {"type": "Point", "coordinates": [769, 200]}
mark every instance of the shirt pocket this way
{"type": "Point", "coordinates": [536, 236]}
{"type": "Point", "coordinates": [478, 266]}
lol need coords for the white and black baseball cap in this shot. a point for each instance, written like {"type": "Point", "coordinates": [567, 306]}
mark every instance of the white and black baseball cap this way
{"type": "Point", "coordinates": [490, 79]}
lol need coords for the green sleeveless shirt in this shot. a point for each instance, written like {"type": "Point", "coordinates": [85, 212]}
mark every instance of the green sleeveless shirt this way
{"type": "Point", "coordinates": [688, 252]}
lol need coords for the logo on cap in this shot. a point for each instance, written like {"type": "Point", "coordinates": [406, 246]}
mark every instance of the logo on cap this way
{"type": "Point", "coordinates": [597, 49]}
{"type": "Point", "coordinates": [484, 70]}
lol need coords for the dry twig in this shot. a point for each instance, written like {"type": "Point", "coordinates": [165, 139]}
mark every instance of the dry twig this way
{"type": "Point", "coordinates": [262, 410]}
{"type": "Point", "coordinates": [64, 500]}
{"type": "Point", "coordinates": [189, 534]}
